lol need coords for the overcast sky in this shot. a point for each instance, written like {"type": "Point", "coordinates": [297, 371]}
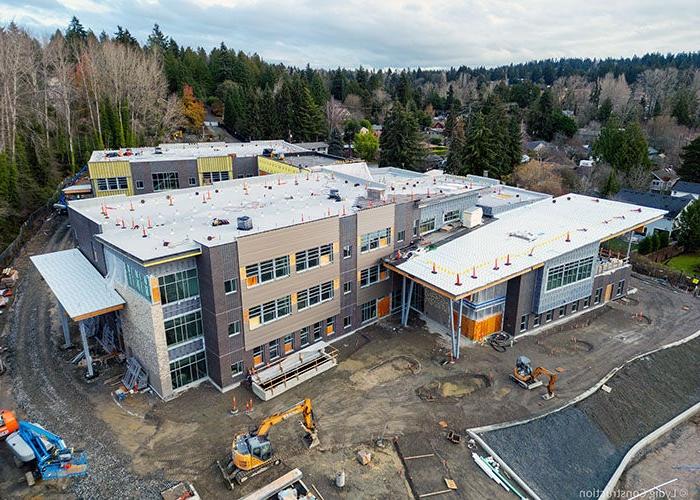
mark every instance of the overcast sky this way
{"type": "Point", "coordinates": [389, 33]}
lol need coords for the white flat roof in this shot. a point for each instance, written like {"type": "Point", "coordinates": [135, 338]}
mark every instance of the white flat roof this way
{"type": "Point", "coordinates": [272, 201]}
{"type": "Point", "coordinates": [406, 182]}
{"type": "Point", "coordinates": [181, 151]}
{"type": "Point", "coordinates": [77, 285]}
{"type": "Point", "coordinates": [541, 228]}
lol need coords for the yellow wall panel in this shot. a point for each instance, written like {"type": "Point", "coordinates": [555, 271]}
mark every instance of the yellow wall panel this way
{"type": "Point", "coordinates": [214, 164]}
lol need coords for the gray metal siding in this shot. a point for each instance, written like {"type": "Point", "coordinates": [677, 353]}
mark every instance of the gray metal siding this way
{"type": "Point", "coordinates": [438, 208]}
{"type": "Point", "coordinates": [84, 230]}
{"type": "Point", "coordinates": [544, 301]}
{"type": "Point", "coordinates": [143, 170]}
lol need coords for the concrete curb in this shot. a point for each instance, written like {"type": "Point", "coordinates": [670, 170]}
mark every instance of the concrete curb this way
{"type": "Point", "coordinates": [474, 432]}
{"type": "Point", "coordinates": [590, 391]}
{"type": "Point", "coordinates": [649, 438]}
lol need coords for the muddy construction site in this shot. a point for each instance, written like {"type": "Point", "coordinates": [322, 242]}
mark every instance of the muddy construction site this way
{"type": "Point", "coordinates": [392, 394]}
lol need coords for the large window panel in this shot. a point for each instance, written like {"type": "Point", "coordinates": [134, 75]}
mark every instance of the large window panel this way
{"type": "Point", "coordinates": [571, 272]}
{"type": "Point", "coordinates": [178, 286]}
{"type": "Point", "coordinates": [183, 328]}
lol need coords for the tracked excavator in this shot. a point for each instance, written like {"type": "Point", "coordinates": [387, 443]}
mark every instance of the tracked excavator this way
{"type": "Point", "coordinates": [529, 378]}
{"type": "Point", "coordinates": [252, 452]}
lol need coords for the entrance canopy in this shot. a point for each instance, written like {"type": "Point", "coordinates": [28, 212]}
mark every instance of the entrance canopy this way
{"type": "Point", "coordinates": [79, 288]}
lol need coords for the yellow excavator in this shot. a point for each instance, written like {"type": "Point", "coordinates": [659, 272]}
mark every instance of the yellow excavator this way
{"type": "Point", "coordinates": [252, 453]}
{"type": "Point", "coordinates": [528, 378]}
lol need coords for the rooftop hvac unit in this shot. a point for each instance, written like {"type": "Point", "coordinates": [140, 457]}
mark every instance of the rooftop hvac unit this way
{"type": "Point", "coordinates": [244, 223]}
{"type": "Point", "coordinates": [334, 194]}
{"type": "Point", "coordinates": [523, 235]}
{"type": "Point", "coordinates": [471, 217]}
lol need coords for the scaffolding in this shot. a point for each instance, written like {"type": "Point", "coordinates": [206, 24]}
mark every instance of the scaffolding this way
{"type": "Point", "coordinates": [293, 370]}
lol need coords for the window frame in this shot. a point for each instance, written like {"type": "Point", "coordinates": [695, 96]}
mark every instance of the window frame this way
{"type": "Point", "coordinates": [180, 326]}
{"type": "Point", "coordinates": [235, 374]}
{"type": "Point", "coordinates": [347, 287]}
{"type": "Point", "coordinates": [347, 251]}
{"type": "Point", "coordinates": [236, 324]}
{"type": "Point", "coordinates": [186, 281]}
{"type": "Point", "coordinates": [372, 241]}
{"type": "Point", "coordinates": [139, 184]}
{"type": "Point", "coordinates": [312, 258]}
{"type": "Point", "coordinates": [370, 306]}
{"type": "Point", "coordinates": [401, 236]}
{"type": "Point", "coordinates": [315, 295]}
{"type": "Point", "coordinates": [524, 320]}
{"type": "Point", "coordinates": [455, 216]}
{"type": "Point", "coordinates": [347, 322]}
{"type": "Point", "coordinates": [268, 270]}
{"type": "Point", "coordinates": [270, 311]}
{"type": "Point", "coordinates": [230, 286]}
{"type": "Point", "coordinates": [165, 181]}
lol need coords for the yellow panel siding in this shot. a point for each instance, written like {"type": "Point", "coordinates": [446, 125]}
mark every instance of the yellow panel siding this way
{"type": "Point", "coordinates": [270, 166]}
{"type": "Point", "coordinates": [214, 164]}
{"type": "Point", "coordinates": [107, 169]}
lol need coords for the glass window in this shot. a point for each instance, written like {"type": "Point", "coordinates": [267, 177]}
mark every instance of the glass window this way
{"type": "Point", "coordinates": [376, 239]}
{"type": "Point", "coordinates": [372, 275]}
{"type": "Point", "coordinates": [112, 184]}
{"type": "Point", "coordinates": [192, 181]}
{"type": "Point", "coordinates": [183, 328]}
{"type": "Point", "coordinates": [304, 336]}
{"type": "Point", "coordinates": [236, 368]}
{"type": "Point", "coordinates": [427, 225]}
{"type": "Point", "coordinates": [314, 257]}
{"type": "Point", "coordinates": [165, 180]}
{"type": "Point", "coordinates": [562, 311]}
{"type": "Point", "coordinates": [347, 287]}
{"type": "Point", "coordinates": [536, 321]}
{"type": "Point", "coordinates": [620, 287]}
{"type": "Point", "coordinates": [548, 316]}
{"type": "Point", "coordinates": [347, 251]}
{"type": "Point", "coordinates": [137, 280]}
{"type": "Point", "coordinates": [258, 358]}
{"type": "Point", "coordinates": [598, 296]}
{"type": "Point", "coordinates": [574, 307]}
{"type": "Point", "coordinates": [347, 322]}
{"type": "Point", "coordinates": [330, 326]}
{"type": "Point", "coordinates": [369, 311]}
{"type": "Point", "coordinates": [523, 322]}
{"type": "Point", "coordinates": [234, 328]}
{"type": "Point", "coordinates": [231, 286]}
{"type": "Point", "coordinates": [416, 223]}
{"type": "Point", "coordinates": [586, 302]}
{"type": "Point", "coordinates": [139, 184]}
{"type": "Point", "coordinates": [451, 216]}
{"type": "Point", "coordinates": [572, 272]}
{"type": "Point", "coordinates": [401, 235]}
{"type": "Point", "coordinates": [314, 295]}
{"type": "Point", "coordinates": [318, 326]}
{"type": "Point", "coordinates": [187, 370]}
{"type": "Point", "coordinates": [178, 286]}
{"type": "Point", "coordinates": [269, 311]}
{"type": "Point", "coordinates": [267, 270]}
{"type": "Point", "coordinates": [210, 177]}
{"type": "Point", "coordinates": [274, 349]}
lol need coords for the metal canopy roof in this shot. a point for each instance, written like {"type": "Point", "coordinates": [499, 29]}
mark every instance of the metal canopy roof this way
{"type": "Point", "coordinates": [77, 285]}
{"type": "Point", "coordinates": [521, 240]}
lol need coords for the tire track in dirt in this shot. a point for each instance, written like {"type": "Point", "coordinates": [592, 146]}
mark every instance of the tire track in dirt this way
{"type": "Point", "coordinates": [50, 390]}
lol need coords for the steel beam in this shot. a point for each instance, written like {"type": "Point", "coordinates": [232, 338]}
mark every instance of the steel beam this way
{"type": "Point", "coordinates": [407, 304]}
{"type": "Point", "coordinates": [459, 328]}
{"type": "Point", "coordinates": [64, 325]}
{"type": "Point", "coordinates": [629, 247]}
{"type": "Point", "coordinates": [86, 349]}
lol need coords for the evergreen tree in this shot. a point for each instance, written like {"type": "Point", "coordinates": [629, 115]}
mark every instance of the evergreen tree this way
{"type": "Point", "coordinates": [335, 143]}
{"type": "Point", "coordinates": [122, 35]}
{"type": "Point", "coordinates": [689, 227]}
{"type": "Point", "coordinates": [540, 123]}
{"type": "Point", "coordinates": [338, 84]}
{"type": "Point", "coordinates": [157, 39]}
{"type": "Point", "coordinates": [75, 34]}
{"type": "Point", "coordinates": [622, 147]}
{"type": "Point", "coordinates": [605, 110]}
{"type": "Point", "coordinates": [451, 111]}
{"type": "Point", "coordinates": [690, 161]}
{"type": "Point", "coordinates": [479, 152]}
{"type": "Point", "coordinates": [400, 140]}
{"type": "Point", "coordinates": [612, 185]}
{"type": "Point", "coordinates": [455, 155]}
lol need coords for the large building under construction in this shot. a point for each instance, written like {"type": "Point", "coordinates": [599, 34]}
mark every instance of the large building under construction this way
{"type": "Point", "coordinates": [225, 279]}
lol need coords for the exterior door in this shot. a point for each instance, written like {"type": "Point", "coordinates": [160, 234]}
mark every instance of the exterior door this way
{"type": "Point", "coordinates": [608, 292]}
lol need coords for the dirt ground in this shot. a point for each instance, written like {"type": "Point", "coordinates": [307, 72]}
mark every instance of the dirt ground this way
{"type": "Point", "coordinates": [388, 384]}
{"type": "Point", "coordinates": [672, 461]}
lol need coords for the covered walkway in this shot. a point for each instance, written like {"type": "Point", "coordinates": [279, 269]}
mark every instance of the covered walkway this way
{"type": "Point", "coordinates": [81, 291]}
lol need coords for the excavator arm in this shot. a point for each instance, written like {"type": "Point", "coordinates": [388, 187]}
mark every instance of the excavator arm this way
{"type": "Point", "coordinates": [552, 378]}
{"type": "Point", "coordinates": [303, 407]}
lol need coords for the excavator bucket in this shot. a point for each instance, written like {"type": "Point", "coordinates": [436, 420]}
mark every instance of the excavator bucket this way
{"type": "Point", "coordinates": [311, 439]}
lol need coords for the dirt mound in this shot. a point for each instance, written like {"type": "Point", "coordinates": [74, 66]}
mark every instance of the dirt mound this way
{"type": "Point", "coordinates": [454, 386]}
